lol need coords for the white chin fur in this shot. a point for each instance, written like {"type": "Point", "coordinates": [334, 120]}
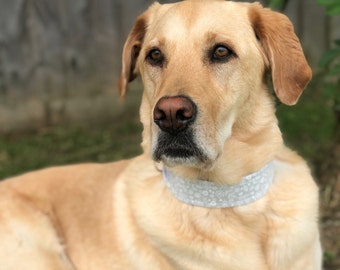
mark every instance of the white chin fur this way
{"type": "Point", "coordinates": [188, 162]}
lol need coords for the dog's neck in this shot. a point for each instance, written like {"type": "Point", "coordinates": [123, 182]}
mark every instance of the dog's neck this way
{"type": "Point", "coordinates": [207, 194]}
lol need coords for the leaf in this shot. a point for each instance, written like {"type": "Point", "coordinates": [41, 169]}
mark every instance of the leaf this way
{"type": "Point", "coordinates": [327, 2]}
{"type": "Point", "coordinates": [334, 70]}
{"type": "Point", "coordinates": [328, 90]}
{"type": "Point", "coordinates": [276, 4]}
{"type": "Point", "coordinates": [333, 10]}
{"type": "Point", "coordinates": [328, 57]}
{"type": "Point", "coordinates": [332, 6]}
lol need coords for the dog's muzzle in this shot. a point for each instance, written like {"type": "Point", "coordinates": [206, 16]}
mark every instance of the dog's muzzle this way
{"type": "Point", "coordinates": [176, 141]}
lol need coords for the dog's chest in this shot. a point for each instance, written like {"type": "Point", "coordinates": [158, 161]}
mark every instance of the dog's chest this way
{"type": "Point", "coordinates": [220, 248]}
{"type": "Point", "coordinates": [194, 238]}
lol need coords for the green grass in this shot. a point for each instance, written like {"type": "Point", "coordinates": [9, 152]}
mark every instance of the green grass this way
{"type": "Point", "coordinates": [66, 145]}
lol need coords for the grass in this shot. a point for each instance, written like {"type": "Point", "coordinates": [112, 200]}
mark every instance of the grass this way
{"type": "Point", "coordinates": [118, 139]}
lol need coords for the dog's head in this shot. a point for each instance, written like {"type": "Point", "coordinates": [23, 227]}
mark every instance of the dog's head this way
{"type": "Point", "coordinates": [204, 66]}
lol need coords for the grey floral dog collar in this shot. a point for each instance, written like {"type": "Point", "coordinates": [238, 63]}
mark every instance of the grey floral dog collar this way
{"type": "Point", "coordinates": [203, 193]}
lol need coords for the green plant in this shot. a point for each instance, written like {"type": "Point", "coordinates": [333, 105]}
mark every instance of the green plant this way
{"type": "Point", "coordinates": [332, 6]}
{"type": "Point", "coordinates": [330, 60]}
{"type": "Point", "coordinates": [330, 70]}
{"type": "Point", "coordinates": [330, 167]}
{"type": "Point", "coordinates": [277, 4]}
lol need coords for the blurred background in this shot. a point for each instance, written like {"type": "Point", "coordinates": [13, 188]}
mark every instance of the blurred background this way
{"type": "Point", "coordinates": [59, 65]}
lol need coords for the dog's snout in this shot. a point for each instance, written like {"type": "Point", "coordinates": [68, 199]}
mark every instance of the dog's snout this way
{"type": "Point", "coordinates": [174, 114]}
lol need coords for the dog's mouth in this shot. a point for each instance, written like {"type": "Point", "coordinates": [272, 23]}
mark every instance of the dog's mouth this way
{"type": "Point", "coordinates": [175, 139]}
{"type": "Point", "coordinates": [178, 149]}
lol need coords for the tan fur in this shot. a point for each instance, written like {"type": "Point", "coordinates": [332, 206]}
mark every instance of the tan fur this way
{"type": "Point", "coordinates": [121, 215]}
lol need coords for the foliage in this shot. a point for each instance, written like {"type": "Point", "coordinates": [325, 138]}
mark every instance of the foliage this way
{"type": "Point", "coordinates": [330, 165]}
{"type": "Point", "coordinates": [330, 61]}
{"type": "Point", "coordinates": [332, 6]}
{"type": "Point", "coordinates": [277, 4]}
{"type": "Point", "coordinates": [330, 66]}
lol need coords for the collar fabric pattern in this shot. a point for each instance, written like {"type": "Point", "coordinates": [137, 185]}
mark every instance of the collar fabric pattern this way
{"type": "Point", "coordinates": [203, 193]}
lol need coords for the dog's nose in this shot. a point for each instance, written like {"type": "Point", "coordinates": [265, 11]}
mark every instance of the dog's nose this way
{"type": "Point", "coordinates": [174, 114]}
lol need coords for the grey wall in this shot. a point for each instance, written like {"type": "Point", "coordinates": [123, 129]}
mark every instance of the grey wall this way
{"type": "Point", "coordinates": [59, 59]}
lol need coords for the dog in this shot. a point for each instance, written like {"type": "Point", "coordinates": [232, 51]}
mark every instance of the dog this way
{"type": "Point", "coordinates": [215, 187]}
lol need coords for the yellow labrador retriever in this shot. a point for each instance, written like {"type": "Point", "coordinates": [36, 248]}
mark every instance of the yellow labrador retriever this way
{"type": "Point", "coordinates": [215, 189]}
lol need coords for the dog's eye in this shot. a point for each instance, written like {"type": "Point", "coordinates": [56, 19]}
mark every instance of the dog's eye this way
{"type": "Point", "coordinates": [220, 53]}
{"type": "Point", "coordinates": [155, 57]}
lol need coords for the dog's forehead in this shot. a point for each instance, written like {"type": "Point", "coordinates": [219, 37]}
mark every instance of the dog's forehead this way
{"type": "Point", "coordinates": [186, 19]}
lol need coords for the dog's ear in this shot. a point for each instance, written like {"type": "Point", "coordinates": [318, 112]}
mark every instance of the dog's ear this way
{"type": "Point", "coordinates": [132, 48]}
{"type": "Point", "coordinates": [289, 68]}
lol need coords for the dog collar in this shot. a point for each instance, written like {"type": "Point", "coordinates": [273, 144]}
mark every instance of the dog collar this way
{"type": "Point", "coordinates": [207, 194]}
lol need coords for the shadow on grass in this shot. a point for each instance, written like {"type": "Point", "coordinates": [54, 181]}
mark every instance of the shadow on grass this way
{"type": "Point", "coordinates": [114, 139]}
